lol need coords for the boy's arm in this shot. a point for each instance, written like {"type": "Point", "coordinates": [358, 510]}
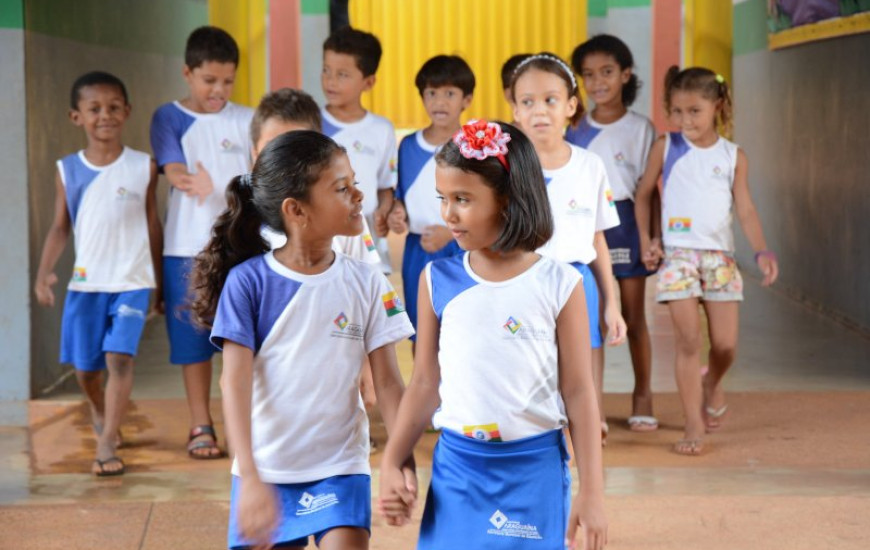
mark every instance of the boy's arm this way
{"type": "Point", "coordinates": [55, 242]}
{"type": "Point", "coordinates": [382, 212]}
{"type": "Point", "coordinates": [578, 394]}
{"type": "Point", "coordinates": [155, 236]}
{"type": "Point", "coordinates": [749, 221]}
{"type": "Point", "coordinates": [198, 184]}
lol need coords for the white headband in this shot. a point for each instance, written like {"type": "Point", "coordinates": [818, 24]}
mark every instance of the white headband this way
{"type": "Point", "coordinates": [556, 60]}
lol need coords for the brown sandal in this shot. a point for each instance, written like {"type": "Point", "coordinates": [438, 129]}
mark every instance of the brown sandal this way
{"type": "Point", "coordinates": [193, 446]}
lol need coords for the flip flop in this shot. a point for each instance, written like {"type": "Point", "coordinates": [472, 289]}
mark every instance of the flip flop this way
{"type": "Point", "coordinates": [689, 447]}
{"type": "Point", "coordinates": [103, 472]}
{"type": "Point", "coordinates": [641, 423]}
{"type": "Point", "coordinates": [193, 446]}
{"type": "Point", "coordinates": [714, 417]}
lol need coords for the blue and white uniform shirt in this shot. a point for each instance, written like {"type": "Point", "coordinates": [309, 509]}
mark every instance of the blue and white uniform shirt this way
{"type": "Point", "coordinates": [497, 348]}
{"type": "Point", "coordinates": [623, 147]}
{"type": "Point", "coordinates": [310, 335]}
{"type": "Point", "coordinates": [221, 142]}
{"type": "Point", "coordinates": [371, 147]}
{"type": "Point", "coordinates": [416, 187]}
{"type": "Point", "coordinates": [697, 194]}
{"type": "Point", "coordinates": [582, 203]}
{"type": "Point", "coordinates": [106, 206]}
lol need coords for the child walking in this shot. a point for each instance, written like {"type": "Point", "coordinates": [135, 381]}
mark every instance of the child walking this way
{"type": "Point", "coordinates": [105, 194]}
{"type": "Point", "coordinates": [545, 100]}
{"type": "Point", "coordinates": [294, 325]}
{"type": "Point", "coordinates": [503, 362]}
{"type": "Point", "coordinates": [704, 178]}
{"type": "Point", "coordinates": [622, 138]}
{"type": "Point", "coordinates": [200, 142]}
{"type": "Point", "coordinates": [446, 84]}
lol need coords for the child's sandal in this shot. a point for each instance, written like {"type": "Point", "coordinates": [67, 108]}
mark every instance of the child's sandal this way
{"type": "Point", "coordinates": [193, 446]}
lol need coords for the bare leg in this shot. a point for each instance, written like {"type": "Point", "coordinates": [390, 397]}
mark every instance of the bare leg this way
{"type": "Point", "coordinates": [722, 322]}
{"type": "Point", "coordinates": [632, 292]}
{"type": "Point", "coordinates": [119, 385]}
{"type": "Point", "coordinates": [197, 385]}
{"type": "Point", "coordinates": [687, 320]}
{"type": "Point", "coordinates": [345, 538]}
{"type": "Point", "coordinates": [91, 383]}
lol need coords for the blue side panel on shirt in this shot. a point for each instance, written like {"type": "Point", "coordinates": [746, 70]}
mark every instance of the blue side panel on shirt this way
{"type": "Point", "coordinates": [583, 135]}
{"type": "Point", "coordinates": [547, 180]}
{"type": "Point", "coordinates": [677, 149]}
{"type": "Point", "coordinates": [330, 129]}
{"type": "Point", "coordinates": [77, 178]}
{"type": "Point", "coordinates": [168, 126]}
{"type": "Point", "coordinates": [449, 280]}
{"type": "Point", "coordinates": [412, 159]}
{"type": "Point", "coordinates": [277, 295]}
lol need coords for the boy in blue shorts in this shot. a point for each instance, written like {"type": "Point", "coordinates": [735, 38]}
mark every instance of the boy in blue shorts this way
{"type": "Point", "coordinates": [350, 60]}
{"type": "Point", "coordinates": [446, 85]}
{"type": "Point", "coordinates": [200, 143]}
{"type": "Point", "coordinates": [105, 194]}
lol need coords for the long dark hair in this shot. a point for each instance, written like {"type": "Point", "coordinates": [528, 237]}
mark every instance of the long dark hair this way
{"type": "Point", "coordinates": [616, 48]}
{"type": "Point", "coordinates": [286, 168]}
{"type": "Point", "coordinates": [528, 219]}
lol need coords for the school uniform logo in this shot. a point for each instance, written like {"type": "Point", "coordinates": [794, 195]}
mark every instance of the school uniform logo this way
{"type": "Point", "coordinates": [521, 331]}
{"type": "Point", "coordinates": [577, 209]}
{"type": "Point", "coordinates": [310, 504]}
{"type": "Point", "coordinates": [80, 275]}
{"type": "Point", "coordinates": [512, 325]}
{"type": "Point", "coordinates": [505, 527]}
{"type": "Point", "coordinates": [370, 244]}
{"type": "Point", "coordinates": [392, 304]}
{"type": "Point", "coordinates": [126, 311]}
{"type": "Point", "coordinates": [227, 146]}
{"type": "Point", "coordinates": [346, 329]}
{"type": "Point", "coordinates": [362, 148]}
{"type": "Point", "coordinates": [679, 225]}
{"type": "Point", "coordinates": [483, 432]}
{"type": "Point", "coordinates": [125, 195]}
{"type": "Point", "coordinates": [608, 194]}
{"type": "Point", "coordinates": [721, 173]}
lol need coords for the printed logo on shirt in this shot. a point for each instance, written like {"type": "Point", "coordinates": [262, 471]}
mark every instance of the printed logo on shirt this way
{"type": "Point", "coordinates": [362, 148]}
{"type": "Point", "coordinates": [505, 527]}
{"type": "Point", "coordinates": [576, 209]}
{"type": "Point", "coordinates": [483, 432]}
{"type": "Point", "coordinates": [346, 329]}
{"type": "Point", "coordinates": [392, 303]}
{"type": "Point", "coordinates": [310, 504]}
{"type": "Point", "coordinates": [393, 165]}
{"type": "Point", "coordinates": [721, 173]}
{"type": "Point", "coordinates": [524, 331]}
{"type": "Point", "coordinates": [123, 194]}
{"type": "Point", "coordinates": [370, 244]}
{"type": "Point", "coordinates": [619, 158]}
{"type": "Point", "coordinates": [228, 146]}
{"type": "Point", "coordinates": [679, 225]}
{"type": "Point", "coordinates": [80, 275]}
{"type": "Point", "coordinates": [608, 194]}
{"type": "Point", "coordinates": [126, 311]}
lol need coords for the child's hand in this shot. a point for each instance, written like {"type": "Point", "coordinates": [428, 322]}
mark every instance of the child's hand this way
{"type": "Point", "coordinates": [398, 218]}
{"type": "Point", "coordinates": [381, 227]}
{"type": "Point", "coordinates": [435, 237]}
{"type": "Point", "coordinates": [768, 265]}
{"type": "Point", "coordinates": [616, 328]}
{"type": "Point", "coordinates": [258, 512]}
{"type": "Point", "coordinates": [652, 254]}
{"type": "Point", "coordinates": [398, 494]}
{"type": "Point", "coordinates": [200, 183]}
{"type": "Point", "coordinates": [44, 293]}
{"type": "Point", "coordinates": [588, 514]}
{"type": "Point", "coordinates": [159, 306]}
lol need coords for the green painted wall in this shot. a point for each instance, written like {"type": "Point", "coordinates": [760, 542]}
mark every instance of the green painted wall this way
{"type": "Point", "coordinates": [11, 14]}
{"type": "Point", "coordinates": [152, 26]}
{"type": "Point", "coordinates": [315, 7]}
{"type": "Point", "coordinates": [750, 27]}
{"type": "Point", "coordinates": [598, 8]}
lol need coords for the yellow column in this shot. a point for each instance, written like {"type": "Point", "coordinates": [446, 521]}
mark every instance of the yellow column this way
{"type": "Point", "coordinates": [708, 35]}
{"type": "Point", "coordinates": [245, 20]}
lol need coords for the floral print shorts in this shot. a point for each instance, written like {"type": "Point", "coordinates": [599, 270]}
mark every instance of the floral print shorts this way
{"type": "Point", "coordinates": [711, 275]}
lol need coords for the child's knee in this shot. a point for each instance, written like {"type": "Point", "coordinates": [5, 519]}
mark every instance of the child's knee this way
{"type": "Point", "coordinates": [723, 352]}
{"type": "Point", "coordinates": [688, 344]}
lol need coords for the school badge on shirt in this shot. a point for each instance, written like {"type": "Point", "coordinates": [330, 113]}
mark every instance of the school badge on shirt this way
{"type": "Point", "coordinates": [392, 303]}
{"type": "Point", "coordinates": [482, 432]}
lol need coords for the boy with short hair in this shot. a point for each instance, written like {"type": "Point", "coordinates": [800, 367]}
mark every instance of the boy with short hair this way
{"type": "Point", "coordinates": [286, 110]}
{"type": "Point", "coordinates": [106, 194]}
{"type": "Point", "coordinates": [200, 143]}
{"type": "Point", "coordinates": [446, 85]}
{"type": "Point", "coordinates": [350, 60]}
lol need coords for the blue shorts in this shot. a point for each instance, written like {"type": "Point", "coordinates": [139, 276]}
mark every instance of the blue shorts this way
{"type": "Point", "coordinates": [97, 323]}
{"type": "Point", "coordinates": [497, 495]}
{"type": "Point", "coordinates": [312, 508]}
{"type": "Point", "coordinates": [624, 244]}
{"type": "Point", "coordinates": [590, 289]}
{"type": "Point", "coordinates": [413, 262]}
{"type": "Point", "coordinates": [188, 343]}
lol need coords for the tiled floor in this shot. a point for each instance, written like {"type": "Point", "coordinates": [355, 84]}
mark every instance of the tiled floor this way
{"type": "Point", "coordinates": [790, 470]}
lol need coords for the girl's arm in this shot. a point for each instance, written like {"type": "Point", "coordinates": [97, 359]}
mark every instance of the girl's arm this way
{"type": "Point", "coordinates": [258, 513]}
{"type": "Point", "coordinates": [749, 221]}
{"type": "Point", "coordinates": [581, 407]}
{"type": "Point", "coordinates": [155, 237]}
{"type": "Point", "coordinates": [55, 242]}
{"type": "Point", "coordinates": [415, 411]}
{"type": "Point", "coordinates": [603, 271]}
{"type": "Point", "coordinates": [650, 251]}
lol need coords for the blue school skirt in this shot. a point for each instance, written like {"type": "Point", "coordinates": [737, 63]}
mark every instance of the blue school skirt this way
{"type": "Point", "coordinates": [513, 494]}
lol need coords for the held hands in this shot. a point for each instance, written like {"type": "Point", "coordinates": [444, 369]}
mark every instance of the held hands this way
{"type": "Point", "coordinates": [616, 327]}
{"type": "Point", "coordinates": [398, 494]}
{"type": "Point", "coordinates": [435, 237]}
{"type": "Point", "coordinates": [768, 265]}
{"type": "Point", "coordinates": [398, 218]}
{"type": "Point", "coordinates": [44, 293]}
{"type": "Point", "coordinates": [258, 512]}
{"type": "Point", "coordinates": [381, 227]}
{"type": "Point", "coordinates": [651, 253]}
{"type": "Point", "coordinates": [201, 185]}
{"type": "Point", "coordinates": [588, 515]}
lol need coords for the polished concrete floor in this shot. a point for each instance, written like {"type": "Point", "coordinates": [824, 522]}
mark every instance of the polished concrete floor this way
{"type": "Point", "coordinates": [791, 469]}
